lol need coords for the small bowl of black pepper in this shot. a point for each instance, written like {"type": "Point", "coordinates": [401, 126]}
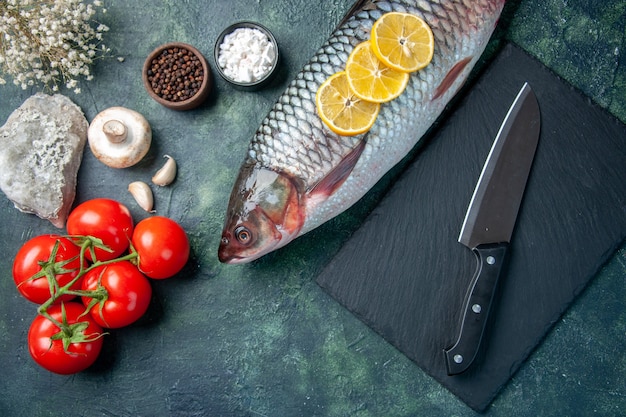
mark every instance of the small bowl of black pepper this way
{"type": "Point", "coordinates": [177, 76]}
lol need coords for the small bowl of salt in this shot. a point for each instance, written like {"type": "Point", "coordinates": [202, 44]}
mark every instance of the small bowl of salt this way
{"type": "Point", "coordinates": [246, 55]}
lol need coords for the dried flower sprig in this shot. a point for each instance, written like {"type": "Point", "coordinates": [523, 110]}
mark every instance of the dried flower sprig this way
{"type": "Point", "coordinates": [49, 42]}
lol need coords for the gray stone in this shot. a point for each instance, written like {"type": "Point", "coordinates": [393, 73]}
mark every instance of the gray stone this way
{"type": "Point", "coordinates": [41, 148]}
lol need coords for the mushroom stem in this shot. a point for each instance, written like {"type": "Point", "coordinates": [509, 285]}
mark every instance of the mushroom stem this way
{"type": "Point", "coordinates": [115, 131]}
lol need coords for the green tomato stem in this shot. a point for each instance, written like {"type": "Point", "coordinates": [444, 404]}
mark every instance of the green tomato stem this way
{"type": "Point", "coordinates": [87, 243]}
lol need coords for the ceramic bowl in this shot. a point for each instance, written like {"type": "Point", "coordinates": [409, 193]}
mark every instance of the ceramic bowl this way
{"type": "Point", "coordinates": [263, 80]}
{"type": "Point", "coordinates": [151, 64]}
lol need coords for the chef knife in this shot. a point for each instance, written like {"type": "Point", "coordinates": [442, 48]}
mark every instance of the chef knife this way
{"type": "Point", "coordinates": [490, 220]}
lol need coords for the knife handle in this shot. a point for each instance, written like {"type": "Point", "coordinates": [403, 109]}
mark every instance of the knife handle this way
{"type": "Point", "coordinates": [476, 307]}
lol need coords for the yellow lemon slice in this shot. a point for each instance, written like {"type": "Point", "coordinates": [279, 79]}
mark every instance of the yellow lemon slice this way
{"type": "Point", "coordinates": [370, 79]}
{"type": "Point", "coordinates": [343, 112]}
{"type": "Point", "coordinates": [402, 41]}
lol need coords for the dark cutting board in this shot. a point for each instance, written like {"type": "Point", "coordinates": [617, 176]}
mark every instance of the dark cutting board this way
{"type": "Point", "coordinates": [404, 273]}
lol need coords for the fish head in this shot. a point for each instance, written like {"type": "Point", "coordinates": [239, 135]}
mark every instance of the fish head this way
{"type": "Point", "coordinates": [265, 212]}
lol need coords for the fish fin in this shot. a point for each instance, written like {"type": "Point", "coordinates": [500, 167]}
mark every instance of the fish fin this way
{"type": "Point", "coordinates": [357, 6]}
{"type": "Point", "coordinates": [451, 77]}
{"type": "Point", "coordinates": [333, 180]}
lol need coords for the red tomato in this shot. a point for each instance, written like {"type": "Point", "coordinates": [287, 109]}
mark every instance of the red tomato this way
{"type": "Point", "coordinates": [128, 294]}
{"type": "Point", "coordinates": [48, 351]}
{"type": "Point", "coordinates": [162, 247]}
{"type": "Point", "coordinates": [105, 219]}
{"type": "Point", "coordinates": [27, 263]}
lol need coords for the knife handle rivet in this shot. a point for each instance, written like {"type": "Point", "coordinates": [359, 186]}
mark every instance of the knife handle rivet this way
{"type": "Point", "coordinates": [458, 358]}
{"type": "Point", "coordinates": [476, 308]}
{"type": "Point", "coordinates": [491, 260]}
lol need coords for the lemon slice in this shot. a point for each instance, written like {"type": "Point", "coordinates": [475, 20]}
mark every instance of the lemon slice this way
{"type": "Point", "coordinates": [343, 112]}
{"type": "Point", "coordinates": [372, 80]}
{"type": "Point", "coordinates": [402, 41]}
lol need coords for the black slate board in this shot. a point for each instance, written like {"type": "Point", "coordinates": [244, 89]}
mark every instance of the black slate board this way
{"type": "Point", "coordinates": [404, 273]}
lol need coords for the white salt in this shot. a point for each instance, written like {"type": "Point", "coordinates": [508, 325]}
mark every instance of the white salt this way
{"type": "Point", "coordinates": [246, 55]}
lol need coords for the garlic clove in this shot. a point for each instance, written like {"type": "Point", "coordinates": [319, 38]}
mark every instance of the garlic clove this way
{"type": "Point", "coordinates": [142, 194]}
{"type": "Point", "coordinates": [166, 174]}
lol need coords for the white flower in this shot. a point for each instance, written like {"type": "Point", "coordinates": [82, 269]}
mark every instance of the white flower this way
{"type": "Point", "coordinates": [49, 41]}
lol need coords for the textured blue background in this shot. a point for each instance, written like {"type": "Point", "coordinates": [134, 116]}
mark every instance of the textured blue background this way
{"type": "Point", "coordinates": [263, 339]}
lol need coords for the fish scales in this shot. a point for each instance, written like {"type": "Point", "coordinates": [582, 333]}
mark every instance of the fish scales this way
{"type": "Point", "coordinates": [293, 142]}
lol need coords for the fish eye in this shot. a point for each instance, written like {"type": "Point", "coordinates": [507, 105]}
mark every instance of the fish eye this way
{"type": "Point", "coordinates": [243, 235]}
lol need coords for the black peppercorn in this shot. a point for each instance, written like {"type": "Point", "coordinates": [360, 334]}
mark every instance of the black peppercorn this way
{"type": "Point", "coordinates": [172, 73]}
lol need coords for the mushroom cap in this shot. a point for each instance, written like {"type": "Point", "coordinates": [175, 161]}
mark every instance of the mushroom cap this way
{"type": "Point", "coordinates": [127, 151]}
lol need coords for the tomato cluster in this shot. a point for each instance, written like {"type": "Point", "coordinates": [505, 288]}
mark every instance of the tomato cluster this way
{"type": "Point", "coordinates": [104, 261]}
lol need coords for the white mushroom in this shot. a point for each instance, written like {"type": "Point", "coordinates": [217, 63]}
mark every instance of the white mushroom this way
{"type": "Point", "coordinates": [119, 137]}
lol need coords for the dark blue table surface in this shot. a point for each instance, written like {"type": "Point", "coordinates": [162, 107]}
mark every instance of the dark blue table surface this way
{"type": "Point", "coordinates": [264, 339]}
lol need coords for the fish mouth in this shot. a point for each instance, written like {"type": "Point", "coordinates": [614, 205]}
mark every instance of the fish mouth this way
{"type": "Point", "coordinates": [228, 258]}
{"type": "Point", "coordinates": [232, 259]}
{"type": "Point", "coordinates": [230, 255]}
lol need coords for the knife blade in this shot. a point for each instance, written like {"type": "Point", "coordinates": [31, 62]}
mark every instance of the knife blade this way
{"type": "Point", "coordinates": [490, 220]}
